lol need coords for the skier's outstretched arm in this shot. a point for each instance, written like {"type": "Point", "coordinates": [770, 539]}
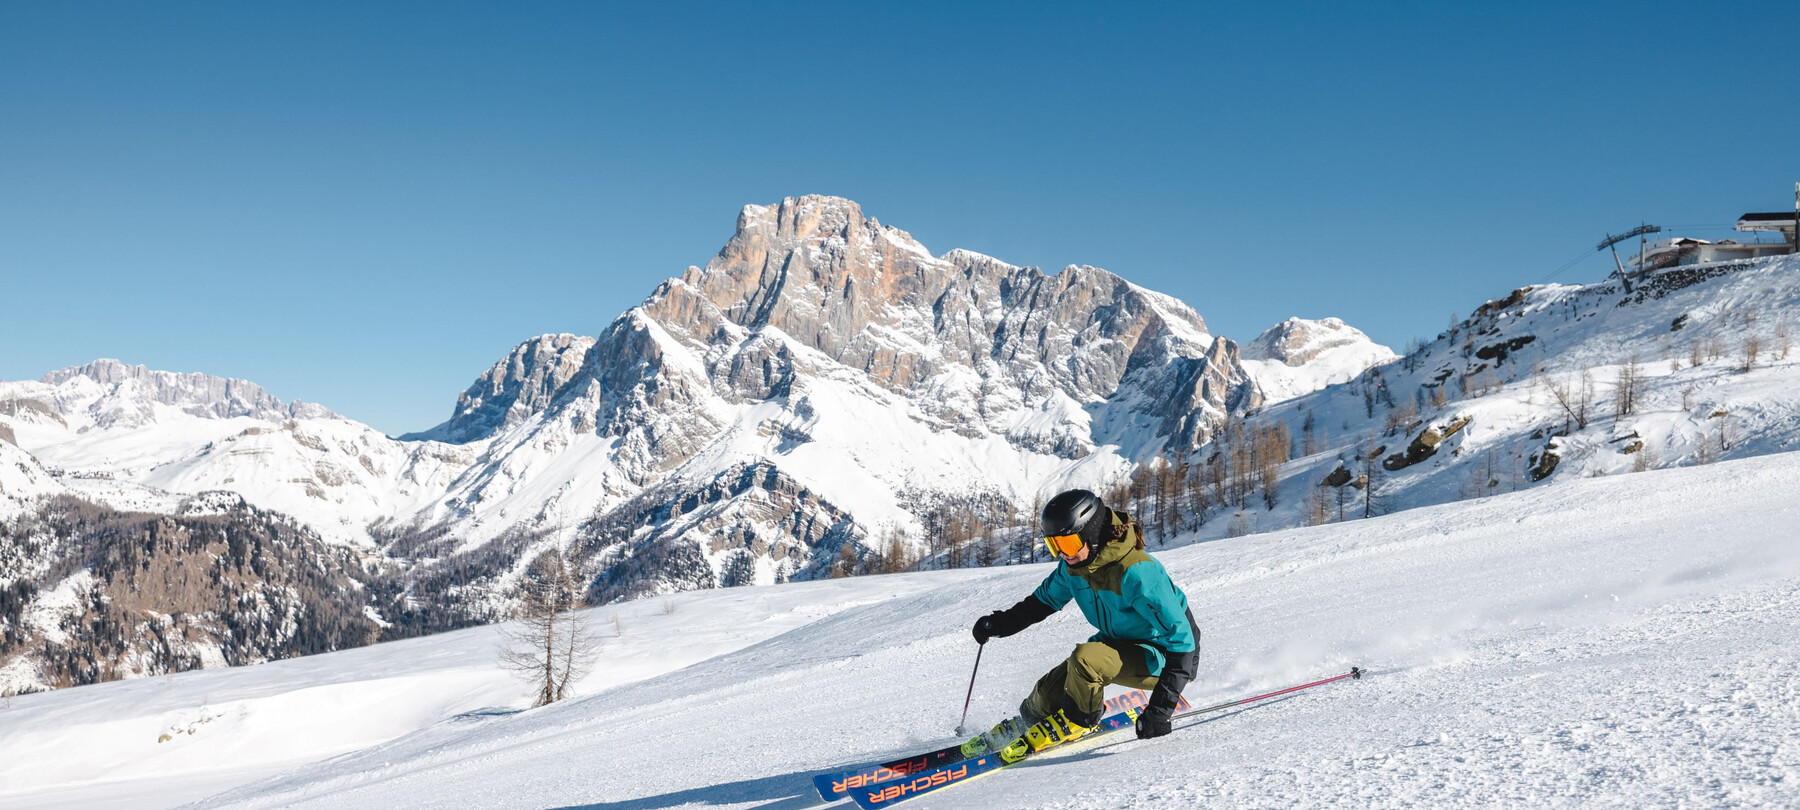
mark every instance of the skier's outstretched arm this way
{"type": "Point", "coordinates": [1003, 623]}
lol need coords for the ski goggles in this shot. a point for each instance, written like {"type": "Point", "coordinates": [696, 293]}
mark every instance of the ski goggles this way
{"type": "Point", "coordinates": [1066, 545]}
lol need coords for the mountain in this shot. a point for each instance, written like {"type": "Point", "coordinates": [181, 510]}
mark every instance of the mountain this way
{"type": "Point", "coordinates": [90, 594]}
{"type": "Point", "coordinates": [23, 481]}
{"type": "Point", "coordinates": [520, 385]}
{"type": "Point", "coordinates": [139, 439]}
{"type": "Point", "coordinates": [825, 379]}
{"type": "Point", "coordinates": [1300, 356]}
{"type": "Point", "coordinates": [826, 396]}
{"type": "Point", "coordinates": [132, 396]}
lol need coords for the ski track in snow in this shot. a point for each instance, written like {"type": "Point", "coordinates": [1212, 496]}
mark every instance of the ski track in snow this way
{"type": "Point", "coordinates": [1619, 641]}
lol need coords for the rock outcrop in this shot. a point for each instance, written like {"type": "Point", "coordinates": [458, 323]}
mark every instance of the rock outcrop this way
{"type": "Point", "coordinates": [523, 383]}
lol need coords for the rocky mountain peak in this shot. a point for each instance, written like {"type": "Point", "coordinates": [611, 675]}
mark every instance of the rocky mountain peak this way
{"type": "Point", "coordinates": [870, 296]}
{"type": "Point", "coordinates": [1298, 356]}
{"type": "Point", "coordinates": [524, 382]}
{"type": "Point", "coordinates": [1298, 341]}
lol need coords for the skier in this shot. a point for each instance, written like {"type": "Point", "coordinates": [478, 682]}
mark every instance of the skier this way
{"type": "Point", "coordinates": [1146, 640]}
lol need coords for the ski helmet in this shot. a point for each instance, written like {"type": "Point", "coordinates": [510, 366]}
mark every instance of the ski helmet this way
{"type": "Point", "coordinates": [1077, 512]}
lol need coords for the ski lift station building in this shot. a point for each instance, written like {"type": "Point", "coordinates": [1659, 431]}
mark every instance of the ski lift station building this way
{"type": "Point", "coordinates": [1683, 250]}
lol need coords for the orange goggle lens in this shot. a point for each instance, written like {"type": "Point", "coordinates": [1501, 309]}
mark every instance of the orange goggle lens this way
{"type": "Point", "coordinates": [1067, 545]}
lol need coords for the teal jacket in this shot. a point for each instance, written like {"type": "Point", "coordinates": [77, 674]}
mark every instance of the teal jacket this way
{"type": "Point", "coordinates": [1128, 597]}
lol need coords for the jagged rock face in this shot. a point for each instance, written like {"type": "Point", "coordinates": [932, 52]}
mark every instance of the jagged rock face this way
{"type": "Point", "coordinates": [810, 290]}
{"type": "Point", "coordinates": [872, 298]}
{"type": "Point", "coordinates": [525, 382]}
{"type": "Point", "coordinates": [133, 389]}
{"type": "Point", "coordinates": [816, 271]}
{"type": "Point", "coordinates": [812, 302]}
{"type": "Point", "coordinates": [742, 425]}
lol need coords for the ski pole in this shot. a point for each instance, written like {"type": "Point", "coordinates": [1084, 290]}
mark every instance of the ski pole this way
{"type": "Point", "coordinates": [966, 698]}
{"type": "Point", "coordinates": [1355, 672]}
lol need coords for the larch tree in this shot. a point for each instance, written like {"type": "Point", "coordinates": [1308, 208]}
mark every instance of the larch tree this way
{"type": "Point", "coordinates": [550, 646]}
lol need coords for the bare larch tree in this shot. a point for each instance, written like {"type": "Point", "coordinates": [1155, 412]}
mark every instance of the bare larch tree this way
{"type": "Point", "coordinates": [550, 646]}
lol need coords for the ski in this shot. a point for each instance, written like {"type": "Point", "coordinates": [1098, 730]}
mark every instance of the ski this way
{"type": "Point", "coordinates": [930, 780]}
{"type": "Point", "coordinates": [834, 786]}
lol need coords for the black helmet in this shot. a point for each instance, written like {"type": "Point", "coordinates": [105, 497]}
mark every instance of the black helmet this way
{"type": "Point", "coordinates": [1077, 511]}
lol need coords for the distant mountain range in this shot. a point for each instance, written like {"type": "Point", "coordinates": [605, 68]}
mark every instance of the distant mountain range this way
{"type": "Point", "coordinates": [828, 396]}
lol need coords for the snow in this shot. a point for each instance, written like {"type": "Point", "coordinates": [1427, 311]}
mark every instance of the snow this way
{"type": "Point", "coordinates": [1623, 640]}
{"type": "Point", "coordinates": [85, 747]}
{"type": "Point", "coordinates": [22, 479]}
{"type": "Point", "coordinates": [47, 613]}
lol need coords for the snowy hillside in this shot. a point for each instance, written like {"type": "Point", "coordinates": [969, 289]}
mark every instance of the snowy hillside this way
{"type": "Point", "coordinates": [22, 481]}
{"type": "Point", "coordinates": [1566, 646]}
{"type": "Point", "coordinates": [1550, 384]}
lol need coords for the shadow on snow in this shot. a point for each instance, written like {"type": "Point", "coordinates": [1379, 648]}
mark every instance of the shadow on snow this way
{"type": "Point", "coordinates": [792, 791]}
{"type": "Point", "coordinates": [789, 791]}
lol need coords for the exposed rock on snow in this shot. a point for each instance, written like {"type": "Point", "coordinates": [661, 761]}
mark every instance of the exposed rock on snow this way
{"type": "Point", "coordinates": [1425, 445]}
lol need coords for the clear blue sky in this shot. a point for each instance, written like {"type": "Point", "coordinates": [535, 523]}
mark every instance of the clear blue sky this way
{"type": "Point", "coordinates": [367, 204]}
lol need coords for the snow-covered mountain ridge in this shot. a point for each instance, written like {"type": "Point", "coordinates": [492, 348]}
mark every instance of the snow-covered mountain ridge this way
{"type": "Point", "coordinates": [822, 388]}
{"type": "Point", "coordinates": [826, 386]}
{"type": "Point", "coordinates": [136, 438]}
{"type": "Point", "coordinates": [188, 433]}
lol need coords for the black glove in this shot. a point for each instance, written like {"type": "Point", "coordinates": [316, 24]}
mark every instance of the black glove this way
{"type": "Point", "coordinates": [1178, 669]}
{"type": "Point", "coordinates": [1003, 623]}
{"type": "Point", "coordinates": [985, 627]}
{"type": "Point", "coordinates": [1153, 723]}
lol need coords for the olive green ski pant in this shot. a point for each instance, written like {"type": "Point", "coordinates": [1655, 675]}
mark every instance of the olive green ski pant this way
{"type": "Point", "coordinates": [1084, 676]}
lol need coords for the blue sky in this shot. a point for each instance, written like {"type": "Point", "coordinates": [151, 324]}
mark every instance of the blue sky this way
{"type": "Point", "coordinates": [366, 205]}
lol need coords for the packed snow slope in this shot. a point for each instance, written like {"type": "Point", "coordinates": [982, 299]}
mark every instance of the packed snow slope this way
{"type": "Point", "coordinates": [1624, 640]}
{"type": "Point", "coordinates": [160, 742]}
